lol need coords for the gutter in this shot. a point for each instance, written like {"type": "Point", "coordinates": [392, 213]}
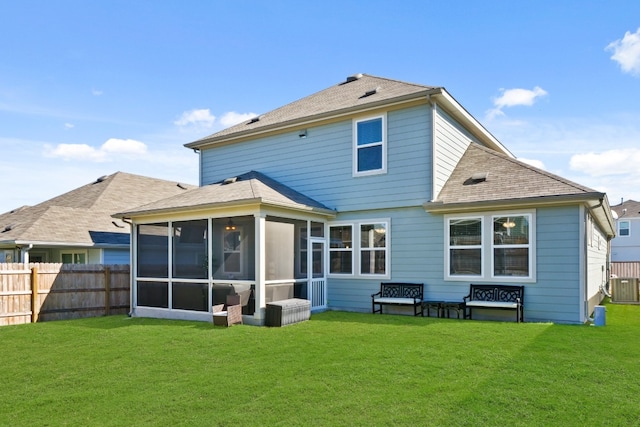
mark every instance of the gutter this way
{"type": "Point", "coordinates": [441, 207]}
{"type": "Point", "coordinates": [217, 206]}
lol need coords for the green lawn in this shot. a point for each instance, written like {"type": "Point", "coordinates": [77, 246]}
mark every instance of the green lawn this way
{"type": "Point", "coordinates": [336, 369]}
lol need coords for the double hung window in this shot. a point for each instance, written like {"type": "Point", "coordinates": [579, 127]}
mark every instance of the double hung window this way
{"type": "Point", "coordinates": [359, 249]}
{"type": "Point", "coordinates": [490, 247]}
{"type": "Point", "coordinates": [369, 146]}
{"type": "Point", "coordinates": [624, 228]}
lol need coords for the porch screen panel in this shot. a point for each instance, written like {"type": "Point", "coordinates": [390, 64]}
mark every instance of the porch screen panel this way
{"type": "Point", "coordinates": [190, 296]}
{"type": "Point", "coordinates": [190, 249]}
{"type": "Point", "coordinates": [152, 294]}
{"type": "Point", "coordinates": [279, 253]}
{"type": "Point", "coordinates": [153, 250]}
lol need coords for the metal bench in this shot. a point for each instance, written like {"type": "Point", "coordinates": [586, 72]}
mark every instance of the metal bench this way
{"type": "Point", "coordinates": [502, 297]}
{"type": "Point", "coordinates": [398, 294]}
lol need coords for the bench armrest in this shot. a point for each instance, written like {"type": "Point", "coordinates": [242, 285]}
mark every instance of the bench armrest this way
{"type": "Point", "coordinates": [377, 293]}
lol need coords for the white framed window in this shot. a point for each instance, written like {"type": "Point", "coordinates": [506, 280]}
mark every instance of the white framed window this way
{"type": "Point", "coordinates": [360, 249]}
{"type": "Point", "coordinates": [370, 145]}
{"type": "Point", "coordinates": [232, 251]}
{"type": "Point", "coordinates": [73, 257]}
{"type": "Point", "coordinates": [465, 246]}
{"type": "Point", "coordinates": [492, 246]}
{"type": "Point", "coordinates": [341, 249]}
{"type": "Point", "coordinates": [624, 228]}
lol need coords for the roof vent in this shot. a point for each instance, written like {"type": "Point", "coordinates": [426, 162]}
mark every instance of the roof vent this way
{"type": "Point", "coordinates": [102, 178]}
{"type": "Point", "coordinates": [230, 180]}
{"type": "Point", "coordinates": [371, 92]}
{"type": "Point", "coordinates": [256, 119]}
{"type": "Point", "coordinates": [476, 178]}
{"type": "Point", "coordinates": [180, 186]}
{"type": "Point", "coordinates": [117, 225]}
{"type": "Point", "coordinates": [8, 228]}
{"type": "Point", "coordinates": [354, 77]}
{"type": "Point", "coordinates": [479, 177]}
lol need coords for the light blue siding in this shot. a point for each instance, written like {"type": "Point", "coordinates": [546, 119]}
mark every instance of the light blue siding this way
{"type": "Point", "coordinates": [627, 248]}
{"type": "Point", "coordinates": [417, 255]}
{"type": "Point", "coordinates": [320, 165]}
{"type": "Point", "coordinates": [451, 141]}
{"type": "Point", "coordinates": [116, 256]}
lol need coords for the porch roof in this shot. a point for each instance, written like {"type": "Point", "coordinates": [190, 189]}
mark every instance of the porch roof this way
{"type": "Point", "coordinates": [249, 188]}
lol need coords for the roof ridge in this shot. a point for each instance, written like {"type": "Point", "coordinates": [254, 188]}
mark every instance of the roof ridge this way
{"type": "Point", "coordinates": [402, 82]}
{"type": "Point", "coordinates": [534, 169]}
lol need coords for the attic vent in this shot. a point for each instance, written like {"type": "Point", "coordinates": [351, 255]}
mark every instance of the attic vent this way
{"type": "Point", "coordinates": [8, 228]}
{"type": "Point", "coordinates": [354, 77]}
{"type": "Point", "coordinates": [255, 119]}
{"type": "Point", "coordinates": [230, 180]}
{"type": "Point", "coordinates": [479, 176]}
{"type": "Point", "coordinates": [102, 178]}
{"type": "Point", "coordinates": [371, 92]}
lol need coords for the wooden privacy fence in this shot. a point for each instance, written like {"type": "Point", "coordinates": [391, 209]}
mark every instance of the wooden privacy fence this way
{"type": "Point", "coordinates": [625, 269]}
{"type": "Point", "coordinates": [41, 292]}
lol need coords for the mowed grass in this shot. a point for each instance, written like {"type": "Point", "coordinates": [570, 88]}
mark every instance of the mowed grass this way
{"type": "Point", "coordinates": [345, 369]}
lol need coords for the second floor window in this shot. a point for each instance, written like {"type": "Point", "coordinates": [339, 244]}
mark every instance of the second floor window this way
{"type": "Point", "coordinates": [369, 146]}
{"type": "Point", "coordinates": [624, 228]}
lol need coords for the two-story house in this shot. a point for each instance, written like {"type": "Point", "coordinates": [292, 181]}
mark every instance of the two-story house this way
{"type": "Point", "coordinates": [626, 245]}
{"type": "Point", "coordinates": [367, 181]}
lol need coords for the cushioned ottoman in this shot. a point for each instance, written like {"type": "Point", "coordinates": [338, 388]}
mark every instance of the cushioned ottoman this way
{"type": "Point", "coordinates": [288, 311]}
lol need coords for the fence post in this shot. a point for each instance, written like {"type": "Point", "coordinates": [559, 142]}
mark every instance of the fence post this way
{"type": "Point", "coordinates": [35, 307]}
{"type": "Point", "coordinates": [107, 291]}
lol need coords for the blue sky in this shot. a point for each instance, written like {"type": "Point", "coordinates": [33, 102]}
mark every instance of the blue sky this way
{"type": "Point", "coordinates": [88, 88]}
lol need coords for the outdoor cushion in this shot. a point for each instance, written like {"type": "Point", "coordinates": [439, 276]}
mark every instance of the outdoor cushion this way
{"type": "Point", "coordinates": [386, 300]}
{"type": "Point", "coordinates": [489, 304]}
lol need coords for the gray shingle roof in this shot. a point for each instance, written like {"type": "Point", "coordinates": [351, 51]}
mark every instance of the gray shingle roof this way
{"type": "Point", "coordinates": [83, 215]}
{"type": "Point", "coordinates": [507, 180]}
{"type": "Point", "coordinates": [342, 97]}
{"type": "Point", "coordinates": [630, 207]}
{"type": "Point", "coordinates": [251, 187]}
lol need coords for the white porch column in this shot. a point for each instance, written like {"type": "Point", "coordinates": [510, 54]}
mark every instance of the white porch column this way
{"type": "Point", "coordinates": [260, 292]}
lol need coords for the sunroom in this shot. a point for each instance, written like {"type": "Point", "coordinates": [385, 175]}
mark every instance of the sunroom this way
{"type": "Point", "coordinates": [247, 235]}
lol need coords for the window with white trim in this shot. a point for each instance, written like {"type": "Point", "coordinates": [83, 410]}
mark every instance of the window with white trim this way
{"type": "Point", "coordinates": [76, 257]}
{"type": "Point", "coordinates": [232, 250]}
{"type": "Point", "coordinates": [359, 249]}
{"type": "Point", "coordinates": [624, 228]}
{"type": "Point", "coordinates": [490, 247]}
{"type": "Point", "coordinates": [369, 146]}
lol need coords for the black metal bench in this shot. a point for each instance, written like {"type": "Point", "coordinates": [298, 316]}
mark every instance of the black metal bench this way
{"type": "Point", "coordinates": [398, 294]}
{"type": "Point", "coordinates": [502, 297]}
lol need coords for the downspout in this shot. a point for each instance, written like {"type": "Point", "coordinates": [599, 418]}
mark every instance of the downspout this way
{"type": "Point", "coordinates": [24, 253]}
{"type": "Point", "coordinates": [132, 266]}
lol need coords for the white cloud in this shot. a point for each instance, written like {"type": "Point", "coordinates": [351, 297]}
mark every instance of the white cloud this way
{"type": "Point", "coordinates": [611, 162]}
{"type": "Point", "coordinates": [513, 98]}
{"type": "Point", "coordinates": [532, 162]}
{"type": "Point", "coordinates": [124, 146]}
{"type": "Point", "coordinates": [68, 126]}
{"type": "Point", "coordinates": [626, 52]}
{"type": "Point", "coordinates": [232, 118]}
{"type": "Point", "coordinates": [96, 92]}
{"type": "Point", "coordinates": [110, 150]}
{"type": "Point", "coordinates": [201, 117]}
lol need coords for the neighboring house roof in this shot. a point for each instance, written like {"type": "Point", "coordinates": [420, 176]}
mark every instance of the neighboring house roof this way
{"type": "Point", "coordinates": [83, 216]}
{"type": "Point", "coordinates": [628, 209]}
{"type": "Point", "coordinates": [249, 188]}
{"type": "Point", "coordinates": [358, 93]}
{"type": "Point", "coordinates": [486, 178]}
